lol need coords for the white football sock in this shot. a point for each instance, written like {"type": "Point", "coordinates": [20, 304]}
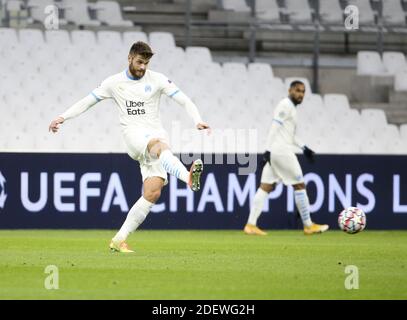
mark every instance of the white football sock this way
{"type": "Point", "coordinates": [135, 217]}
{"type": "Point", "coordinates": [302, 203]}
{"type": "Point", "coordinates": [173, 166]}
{"type": "Point", "coordinates": [257, 207]}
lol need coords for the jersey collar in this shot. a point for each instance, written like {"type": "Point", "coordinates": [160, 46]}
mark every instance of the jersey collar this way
{"type": "Point", "coordinates": [130, 76]}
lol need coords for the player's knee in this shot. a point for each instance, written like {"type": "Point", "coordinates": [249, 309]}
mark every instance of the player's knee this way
{"type": "Point", "coordinates": [299, 186]}
{"type": "Point", "coordinates": [152, 195]}
{"type": "Point", "coordinates": [155, 147]}
{"type": "Point", "coordinates": [267, 187]}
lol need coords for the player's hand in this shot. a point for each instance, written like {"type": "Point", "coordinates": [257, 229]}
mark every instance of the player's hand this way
{"type": "Point", "coordinates": [204, 126]}
{"type": "Point", "coordinates": [309, 154]}
{"type": "Point", "coordinates": [54, 126]}
{"type": "Point", "coordinates": [266, 158]}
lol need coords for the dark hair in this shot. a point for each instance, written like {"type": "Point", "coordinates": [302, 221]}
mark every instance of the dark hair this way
{"type": "Point", "coordinates": [142, 49]}
{"type": "Point", "coordinates": [295, 83]}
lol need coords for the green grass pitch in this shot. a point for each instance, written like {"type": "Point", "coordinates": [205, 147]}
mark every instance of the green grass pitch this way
{"type": "Point", "coordinates": [204, 265]}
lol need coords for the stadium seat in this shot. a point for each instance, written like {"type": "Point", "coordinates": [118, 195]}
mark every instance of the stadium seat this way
{"type": "Point", "coordinates": [267, 10]}
{"type": "Point", "coordinates": [394, 61]}
{"type": "Point", "coordinates": [57, 38]}
{"type": "Point", "coordinates": [369, 63]}
{"type": "Point", "coordinates": [315, 101]}
{"type": "Point", "coordinates": [336, 102]}
{"type": "Point", "coordinates": [234, 70]}
{"type": "Point", "coordinates": [258, 72]}
{"type": "Point", "coordinates": [276, 89]}
{"type": "Point", "coordinates": [330, 12]}
{"type": "Point", "coordinates": [12, 5]}
{"type": "Point", "coordinates": [175, 58]}
{"type": "Point", "coordinates": [347, 117]}
{"type": "Point", "coordinates": [321, 145]}
{"type": "Point", "coordinates": [397, 146]}
{"type": "Point", "coordinates": [211, 70]}
{"type": "Point", "coordinates": [161, 41]}
{"type": "Point", "coordinates": [307, 131]}
{"type": "Point", "coordinates": [403, 131]}
{"type": "Point", "coordinates": [400, 80]}
{"type": "Point", "coordinates": [8, 35]}
{"type": "Point", "coordinates": [198, 55]}
{"type": "Point", "coordinates": [389, 132]}
{"type": "Point", "coordinates": [230, 103]}
{"type": "Point", "coordinates": [299, 11]}
{"type": "Point", "coordinates": [84, 38]}
{"type": "Point", "coordinates": [352, 130]}
{"type": "Point", "coordinates": [109, 39]}
{"type": "Point", "coordinates": [109, 12]}
{"type": "Point", "coordinates": [343, 145]}
{"type": "Point", "coordinates": [241, 92]}
{"type": "Point", "coordinates": [393, 13]}
{"type": "Point", "coordinates": [10, 81]}
{"type": "Point", "coordinates": [374, 146]}
{"type": "Point", "coordinates": [37, 9]}
{"type": "Point", "coordinates": [77, 12]}
{"type": "Point", "coordinates": [366, 13]}
{"type": "Point", "coordinates": [31, 37]}
{"type": "Point", "coordinates": [235, 5]}
{"type": "Point", "coordinates": [130, 37]}
{"type": "Point", "coordinates": [374, 118]}
{"type": "Point", "coordinates": [71, 53]}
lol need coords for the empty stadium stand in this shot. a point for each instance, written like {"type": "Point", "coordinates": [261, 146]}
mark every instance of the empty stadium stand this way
{"type": "Point", "coordinates": [54, 68]}
{"type": "Point", "coordinates": [240, 96]}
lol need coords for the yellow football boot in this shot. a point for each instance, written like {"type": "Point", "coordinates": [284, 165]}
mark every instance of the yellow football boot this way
{"type": "Point", "coordinates": [253, 230]}
{"type": "Point", "coordinates": [122, 247]}
{"type": "Point", "coordinates": [315, 228]}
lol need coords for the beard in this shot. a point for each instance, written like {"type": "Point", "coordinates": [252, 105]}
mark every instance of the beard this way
{"type": "Point", "coordinates": [296, 101]}
{"type": "Point", "coordinates": [136, 73]}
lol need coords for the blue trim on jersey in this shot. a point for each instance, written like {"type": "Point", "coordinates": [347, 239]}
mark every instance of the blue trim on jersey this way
{"type": "Point", "coordinates": [96, 97]}
{"type": "Point", "coordinates": [278, 121]}
{"type": "Point", "coordinates": [174, 93]}
{"type": "Point", "coordinates": [130, 76]}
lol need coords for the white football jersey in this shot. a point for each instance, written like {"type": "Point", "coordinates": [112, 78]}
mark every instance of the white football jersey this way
{"type": "Point", "coordinates": [138, 100]}
{"type": "Point", "coordinates": [282, 132]}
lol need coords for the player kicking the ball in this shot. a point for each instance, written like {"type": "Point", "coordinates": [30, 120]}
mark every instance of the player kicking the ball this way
{"type": "Point", "coordinates": [281, 163]}
{"type": "Point", "coordinates": [137, 93]}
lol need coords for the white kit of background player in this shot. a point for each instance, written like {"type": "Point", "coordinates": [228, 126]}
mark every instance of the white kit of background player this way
{"type": "Point", "coordinates": [137, 93]}
{"type": "Point", "coordinates": [281, 164]}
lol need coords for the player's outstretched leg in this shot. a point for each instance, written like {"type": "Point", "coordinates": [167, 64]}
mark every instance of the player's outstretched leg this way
{"type": "Point", "coordinates": [135, 217]}
{"type": "Point", "coordinates": [302, 203]}
{"type": "Point", "coordinates": [174, 166]}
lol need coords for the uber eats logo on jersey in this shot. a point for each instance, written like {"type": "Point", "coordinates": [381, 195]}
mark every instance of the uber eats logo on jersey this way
{"type": "Point", "coordinates": [135, 107]}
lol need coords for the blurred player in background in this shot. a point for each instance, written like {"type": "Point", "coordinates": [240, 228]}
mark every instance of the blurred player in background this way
{"type": "Point", "coordinates": [137, 93]}
{"type": "Point", "coordinates": [281, 164]}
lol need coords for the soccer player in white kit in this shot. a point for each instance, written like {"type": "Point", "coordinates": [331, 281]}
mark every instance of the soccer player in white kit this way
{"type": "Point", "coordinates": [281, 164]}
{"type": "Point", "coordinates": [137, 93]}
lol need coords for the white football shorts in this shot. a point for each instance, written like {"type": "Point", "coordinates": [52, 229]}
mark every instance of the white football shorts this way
{"type": "Point", "coordinates": [283, 168]}
{"type": "Point", "coordinates": [136, 140]}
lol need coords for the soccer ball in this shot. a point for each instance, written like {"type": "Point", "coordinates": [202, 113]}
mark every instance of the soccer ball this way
{"type": "Point", "coordinates": [352, 220]}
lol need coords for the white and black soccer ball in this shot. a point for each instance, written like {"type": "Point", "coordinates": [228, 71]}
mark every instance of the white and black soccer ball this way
{"type": "Point", "coordinates": [352, 220]}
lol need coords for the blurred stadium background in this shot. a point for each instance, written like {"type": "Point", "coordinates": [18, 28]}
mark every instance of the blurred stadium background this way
{"type": "Point", "coordinates": [223, 54]}
{"type": "Point", "coordinates": [235, 59]}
